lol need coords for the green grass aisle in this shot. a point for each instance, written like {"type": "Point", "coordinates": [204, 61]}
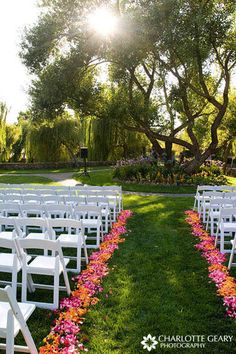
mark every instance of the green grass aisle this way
{"type": "Point", "coordinates": [158, 284]}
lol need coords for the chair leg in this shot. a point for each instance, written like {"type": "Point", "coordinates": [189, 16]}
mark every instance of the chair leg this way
{"type": "Point", "coordinates": [14, 282]}
{"type": "Point", "coordinates": [85, 252]}
{"type": "Point", "coordinates": [78, 259]}
{"type": "Point", "coordinates": [67, 283]}
{"type": "Point", "coordinates": [98, 237]}
{"type": "Point", "coordinates": [56, 287]}
{"type": "Point", "coordinates": [24, 285]}
{"type": "Point", "coordinates": [231, 258]}
{"type": "Point", "coordinates": [10, 333]}
{"type": "Point", "coordinates": [222, 240]}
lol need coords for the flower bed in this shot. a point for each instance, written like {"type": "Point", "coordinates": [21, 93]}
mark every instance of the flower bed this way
{"type": "Point", "coordinates": [218, 272]}
{"type": "Point", "coordinates": [64, 336]}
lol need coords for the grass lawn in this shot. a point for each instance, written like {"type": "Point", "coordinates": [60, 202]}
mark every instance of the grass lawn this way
{"type": "Point", "coordinates": [36, 171]}
{"type": "Point", "coordinates": [158, 284]}
{"type": "Point", "coordinates": [25, 179]}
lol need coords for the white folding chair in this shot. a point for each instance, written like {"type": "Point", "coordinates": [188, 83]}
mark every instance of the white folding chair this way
{"type": "Point", "coordinates": [198, 199]}
{"type": "Point", "coordinates": [9, 209]}
{"type": "Point", "coordinates": [32, 228]}
{"type": "Point", "coordinates": [32, 210]}
{"type": "Point", "coordinates": [7, 227]}
{"type": "Point", "coordinates": [207, 196]}
{"type": "Point", "coordinates": [58, 211]}
{"type": "Point", "coordinates": [226, 228]}
{"type": "Point", "coordinates": [50, 265]}
{"type": "Point", "coordinates": [71, 237]}
{"type": "Point", "coordinates": [12, 320]}
{"type": "Point", "coordinates": [10, 261]}
{"type": "Point", "coordinates": [92, 220]}
{"type": "Point", "coordinates": [214, 208]}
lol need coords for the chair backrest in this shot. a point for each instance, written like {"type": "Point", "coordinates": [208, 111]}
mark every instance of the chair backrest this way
{"type": "Point", "coordinates": [227, 214]}
{"type": "Point", "coordinates": [217, 203]}
{"type": "Point", "coordinates": [52, 199]}
{"type": "Point", "coordinates": [213, 194]}
{"type": "Point", "coordinates": [8, 244]}
{"type": "Point", "coordinates": [34, 199]}
{"type": "Point", "coordinates": [231, 195]}
{"type": "Point", "coordinates": [6, 223]}
{"type": "Point", "coordinates": [51, 245]}
{"type": "Point", "coordinates": [65, 223]}
{"type": "Point", "coordinates": [58, 210]}
{"type": "Point", "coordinates": [10, 191]}
{"type": "Point", "coordinates": [63, 192]}
{"type": "Point", "coordinates": [9, 209]}
{"type": "Point", "coordinates": [24, 224]}
{"type": "Point", "coordinates": [31, 209]}
{"type": "Point", "coordinates": [72, 200]}
{"type": "Point", "coordinates": [87, 212]}
{"type": "Point", "coordinates": [68, 226]}
{"type": "Point", "coordinates": [13, 198]}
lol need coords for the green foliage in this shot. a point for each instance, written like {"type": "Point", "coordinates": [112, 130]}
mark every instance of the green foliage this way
{"type": "Point", "coordinates": [107, 140]}
{"type": "Point", "coordinates": [54, 141]}
{"type": "Point", "coordinates": [3, 116]}
{"type": "Point", "coordinates": [160, 64]}
{"type": "Point", "coordinates": [161, 174]}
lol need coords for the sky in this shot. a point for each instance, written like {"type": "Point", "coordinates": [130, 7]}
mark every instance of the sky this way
{"type": "Point", "coordinates": [14, 79]}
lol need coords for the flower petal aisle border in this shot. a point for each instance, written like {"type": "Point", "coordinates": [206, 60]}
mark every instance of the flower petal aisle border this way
{"type": "Point", "coordinates": [218, 272]}
{"type": "Point", "coordinates": [64, 335]}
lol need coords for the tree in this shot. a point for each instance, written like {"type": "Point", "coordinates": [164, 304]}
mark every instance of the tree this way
{"type": "Point", "coordinates": [3, 117]}
{"type": "Point", "coordinates": [54, 141]}
{"type": "Point", "coordinates": [171, 61]}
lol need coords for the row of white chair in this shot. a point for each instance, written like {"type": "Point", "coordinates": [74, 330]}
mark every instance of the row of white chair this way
{"type": "Point", "coordinates": [106, 203]}
{"type": "Point", "coordinates": [105, 191]}
{"type": "Point", "coordinates": [67, 233]}
{"type": "Point", "coordinates": [218, 211]}
{"type": "Point", "coordinates": [201, 190]}
{"type": "Point", "coordinates": [208, 196]}
{"type": "Point", "coordinates": [51, 263]}
{"type": "Point", "coordinates": [94, 217]}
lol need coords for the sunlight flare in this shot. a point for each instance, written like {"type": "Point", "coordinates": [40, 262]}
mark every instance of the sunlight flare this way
{"type": "Point", "coordinates": [103, 21]}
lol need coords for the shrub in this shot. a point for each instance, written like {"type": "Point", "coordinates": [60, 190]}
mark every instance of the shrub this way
{"type": "Point", "coordinates": [147, 172]}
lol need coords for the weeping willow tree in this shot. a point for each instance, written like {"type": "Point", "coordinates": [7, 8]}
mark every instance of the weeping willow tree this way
{"type": "Point", "coordinates": [3, 116]}
{"type": "Point", "coordinates": [107, 140]}
{"type": "Point", "coordinates": [57, 140]}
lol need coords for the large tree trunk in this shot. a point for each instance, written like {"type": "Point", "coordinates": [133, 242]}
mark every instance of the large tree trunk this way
{"type": "Point", "coordinates": [168, 151]}
{"type": "Point", "coordinates": [226, 154]}
{"type": "Point", "coordinates": [194, 165]}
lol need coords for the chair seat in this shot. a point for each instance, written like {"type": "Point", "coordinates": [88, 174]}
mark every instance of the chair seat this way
{"type": "Point", "coordinates": [214, 213]}
{"type": "Point", "coordinates": [45, 265]}
{"type": "Point", "coordinates": [6, 234]}
{"type": "Point", "coordinates": [26, 309]}
{"type": "Point", "coordinates": [37, 236]}
{"type": "Point", "coordinates": [69, 240]}
{"type": "Point", "coordinates": [229, 226]}
{"type": "Point", "coordinates": [90, 223]}
{"type": "Point", "coordinates": [7, 260]}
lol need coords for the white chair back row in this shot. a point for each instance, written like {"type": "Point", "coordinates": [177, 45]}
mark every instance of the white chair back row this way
{"type": "Point", "coordinates": [206, 188]}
